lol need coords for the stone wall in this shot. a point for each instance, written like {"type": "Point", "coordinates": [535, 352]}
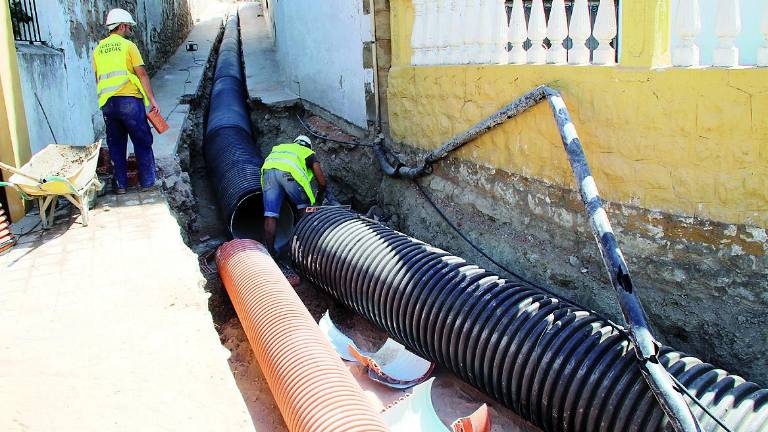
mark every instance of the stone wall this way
{"type": "Point", "coordinates": [60, 72]}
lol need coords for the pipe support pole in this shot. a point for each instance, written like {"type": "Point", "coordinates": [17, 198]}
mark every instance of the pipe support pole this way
{"type": "Point", "coordinates": [646, 347]}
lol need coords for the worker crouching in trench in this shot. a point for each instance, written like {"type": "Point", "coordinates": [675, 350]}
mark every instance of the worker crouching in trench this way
{"type": "Point", "coordinates": [291, 170]}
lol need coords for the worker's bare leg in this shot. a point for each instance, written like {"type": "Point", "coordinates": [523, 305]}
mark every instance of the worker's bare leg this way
{"type": "Point", "coordinates": [270, 226]}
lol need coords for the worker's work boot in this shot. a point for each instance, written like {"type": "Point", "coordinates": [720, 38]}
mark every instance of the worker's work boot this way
{"type": "Point", "coordinates": [120, 191]}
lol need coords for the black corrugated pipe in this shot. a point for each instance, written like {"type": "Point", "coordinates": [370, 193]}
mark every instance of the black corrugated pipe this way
{"type": "Point", "coordinates": [233, 159]}
{"type": "Point", "coordinates": [647, 349]}
{"type": "Point", "coordinates": [559, 366]}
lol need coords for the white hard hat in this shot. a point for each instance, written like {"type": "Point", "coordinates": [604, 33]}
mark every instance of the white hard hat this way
{"type": "Point", "coordinates": [118, 16]}
{"type": "Point", "coordinates": [303, 140]}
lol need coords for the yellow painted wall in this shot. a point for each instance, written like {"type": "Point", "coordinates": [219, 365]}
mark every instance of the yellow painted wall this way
{"type": "Point", "coordinates": [686, 141]}
{"type": "Point", "coordinates": [14, 137]}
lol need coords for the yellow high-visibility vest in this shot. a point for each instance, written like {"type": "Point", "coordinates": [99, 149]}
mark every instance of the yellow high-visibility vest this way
{"type": "Point", "coordinates": [292, 158]}
{"type": "Point", "coordinates": [110, 58]}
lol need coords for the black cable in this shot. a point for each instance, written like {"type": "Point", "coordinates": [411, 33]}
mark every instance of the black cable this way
{"type": "Point", "coordinates": [316, 135]}
{"type": "Point", "coordinates": [681, 387]}
{"type": "Point", "coordinates": [501, 266]}
{"type": "Point", "coordinates": [684, 390]}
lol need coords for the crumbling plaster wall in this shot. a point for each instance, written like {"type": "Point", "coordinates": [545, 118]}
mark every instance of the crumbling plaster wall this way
{"type": "Point", "coordinates": [61, 75]}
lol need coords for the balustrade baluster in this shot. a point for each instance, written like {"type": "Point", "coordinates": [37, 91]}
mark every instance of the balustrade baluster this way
{"type": "Point", "coordinates": [557, 31]}
{"type": "Point", "coordinates": [500, 36]}
{"type": "Point", "coordinates": [517, 33]}
{"type": "Point", "coordinates": [486, 31]}
{"type": "Point", "coordinates": [580, 30]}
{"type": "Point", "coordinates": [727, 28]}
{"type": "Point", "coordinates": [605, 30]}
{"type": "Point", "coordinates": [762, 52]}
{"type": "Point", "coordinates": [456, 32]}
{"type": "Point", "coordinates": [418, 41]}
{"type": "Point", "coordinates": [442, 31]}
{"type": "Point", "coordinates": [432, 29]}
{"type": "Point", "coordinates": [471, 48]}
{"type": "Point", "coordinates": [537, 31]}
{"type": "Point", "coordinates": [688, 25]}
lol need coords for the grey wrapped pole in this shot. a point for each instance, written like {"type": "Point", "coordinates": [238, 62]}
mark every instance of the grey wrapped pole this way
{"type": "Point", "coordinates": [647, 348]}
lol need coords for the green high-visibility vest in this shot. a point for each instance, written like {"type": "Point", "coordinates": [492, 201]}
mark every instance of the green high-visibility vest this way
{"type": "Point", "coordinates": [292, 158]}
{"type": "Point", "coordinates": [110, 58]}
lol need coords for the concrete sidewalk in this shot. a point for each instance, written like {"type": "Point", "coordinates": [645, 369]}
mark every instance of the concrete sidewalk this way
{"type": "Point", "coordinates": [263, 77]}
{"type": "Point", "coordinates": [180, 79]}
{"type": "Point", "coordinates": [107, 327]}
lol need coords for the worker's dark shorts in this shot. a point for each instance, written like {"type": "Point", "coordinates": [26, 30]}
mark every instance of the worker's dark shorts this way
{"type": "Point", "coordinates": [276, 185]}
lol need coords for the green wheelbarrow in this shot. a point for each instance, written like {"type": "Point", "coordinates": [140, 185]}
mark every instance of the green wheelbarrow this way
{"type": "Point", "coordinates": [58, 170]}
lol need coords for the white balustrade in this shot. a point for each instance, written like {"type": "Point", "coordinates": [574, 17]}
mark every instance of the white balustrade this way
{"type": "Point", "coordinates": [517, 34]}
{"type": "Point", "coordinates": [537, 31]}
{"type": "Point", "coordinates": [727, 28]}
{"type": "Point", "coordinates": [604, 31]}
{"type": "Point", "coordinates": [688, 25]}
{"type": "Point", "coordinates": [477, 32]}
{"type": "Point", "coordinates": [711, 33]}
{"type": "Point", "coordinates": [580, 31]}
{"type": "Point", "coordinates": [557, 31]}
{"type": "Point", "coordinates": [762, 52]}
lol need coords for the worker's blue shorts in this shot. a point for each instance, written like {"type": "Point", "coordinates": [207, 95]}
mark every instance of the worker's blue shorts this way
{"type": "Point", "coordinates": [276, 184]}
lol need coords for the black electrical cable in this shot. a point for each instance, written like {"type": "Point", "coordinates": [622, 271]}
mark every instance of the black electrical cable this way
{"type": "Point", "coordinates": [681, 387]}
{"type": "Point", "coordinates": [684, 390]}
{"type": "Point", "coordinates": [501, 266]}
{"type": "Point", "coordinates": [316, 135]}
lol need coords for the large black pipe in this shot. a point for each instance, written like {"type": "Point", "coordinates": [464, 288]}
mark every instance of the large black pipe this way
{"type": "Point", "coordinates": [561, 367]}
{"type": "Point", "coordinates": [233, 159]}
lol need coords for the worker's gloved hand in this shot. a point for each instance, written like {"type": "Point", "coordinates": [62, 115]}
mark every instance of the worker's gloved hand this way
{"type": "Point", "coordinates": [153, 106]}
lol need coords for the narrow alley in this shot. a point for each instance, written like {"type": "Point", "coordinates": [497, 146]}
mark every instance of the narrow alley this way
{"type": "Point", "coordinates": [371, 215]}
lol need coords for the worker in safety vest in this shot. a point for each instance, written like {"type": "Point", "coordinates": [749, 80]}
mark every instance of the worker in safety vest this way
{"type": "Point", "coordinates": [124, 90]}
{"type": "Point", "coordinates": [289, 170]}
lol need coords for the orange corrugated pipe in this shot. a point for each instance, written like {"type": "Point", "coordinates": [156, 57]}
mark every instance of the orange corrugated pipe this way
{"type": "Point", "coordinates": [313, 389]}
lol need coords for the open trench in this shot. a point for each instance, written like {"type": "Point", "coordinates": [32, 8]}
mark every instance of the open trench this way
{"type": "Point", "coordinates": [192, 198]}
